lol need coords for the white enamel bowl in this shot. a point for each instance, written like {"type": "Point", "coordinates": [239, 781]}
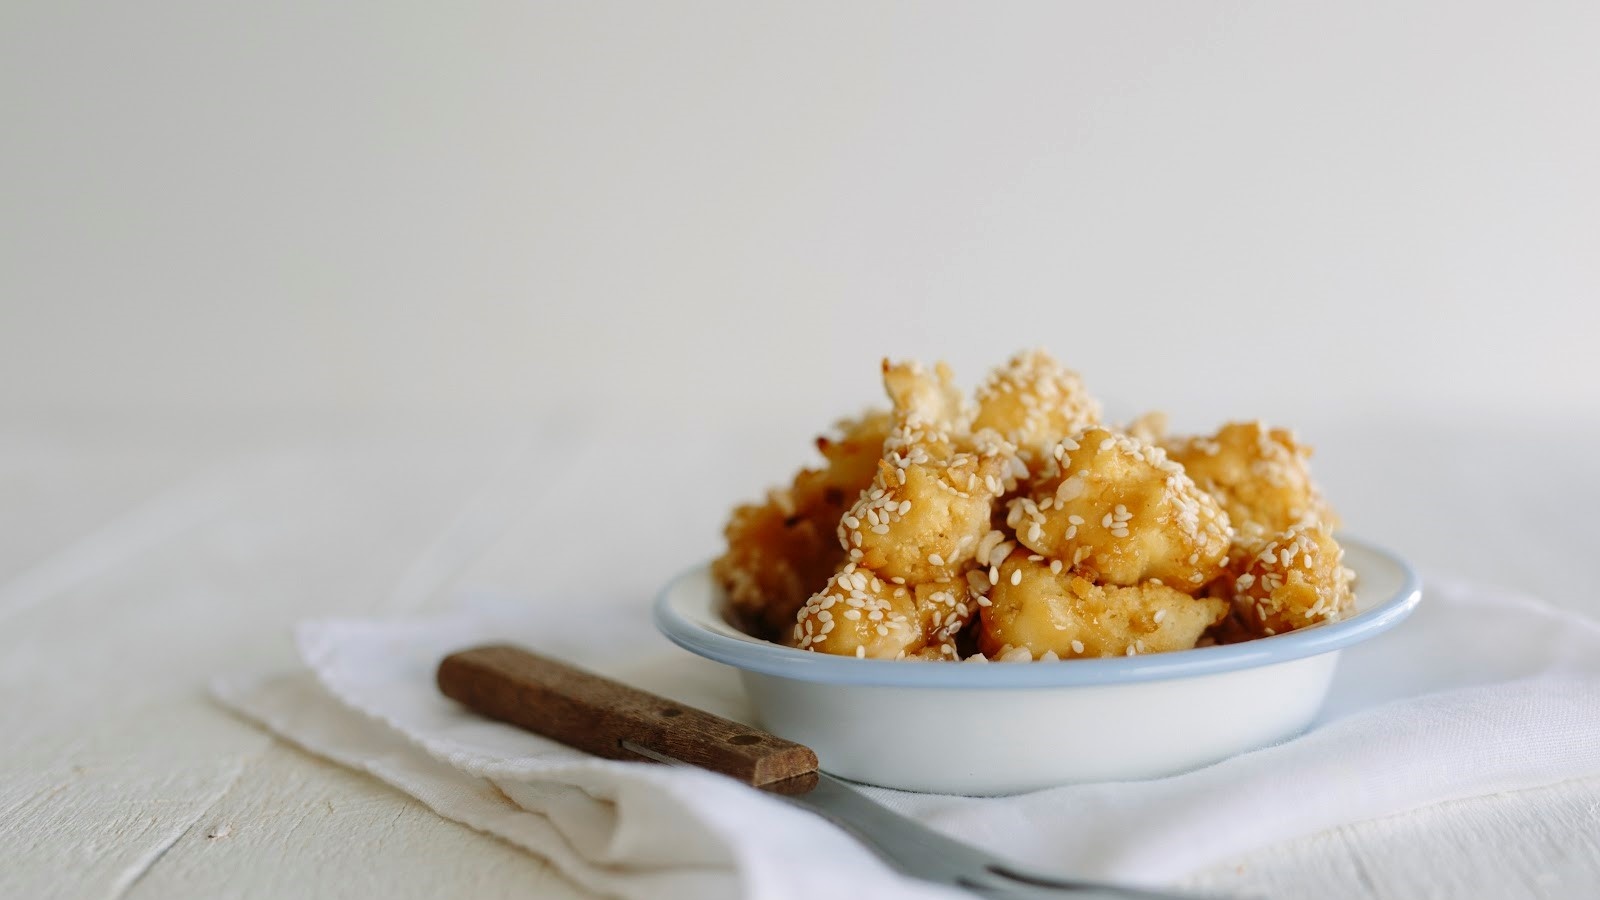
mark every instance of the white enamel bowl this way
{"type": "Point", "coordinates": [1000, 728]}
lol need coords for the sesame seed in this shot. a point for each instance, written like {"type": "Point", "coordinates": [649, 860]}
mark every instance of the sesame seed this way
{"type": "Point", "coordinates": [1077, 646]}
{"type": "Point", "coordinates": [1016, 577]}
{"type": "Point", "coordinates": [935, 559]}
{"type": "Point", "coordinates": [1160, 614]}
{"type": "Point", "coordinates": [861, 652]}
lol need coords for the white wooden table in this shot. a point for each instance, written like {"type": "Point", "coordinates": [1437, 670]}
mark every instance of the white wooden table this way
{"type": "Point", "coordinates": [138, 558]}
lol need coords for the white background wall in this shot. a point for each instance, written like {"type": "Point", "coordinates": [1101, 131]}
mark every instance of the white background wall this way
{"type": "Point", "coordinates": [1293, 210]}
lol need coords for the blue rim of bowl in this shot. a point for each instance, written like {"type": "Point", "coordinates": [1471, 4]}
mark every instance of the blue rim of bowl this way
{"type": "Point", "coordinates": [774, 659]}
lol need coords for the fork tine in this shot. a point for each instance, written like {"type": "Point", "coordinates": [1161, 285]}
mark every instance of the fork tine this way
{"type": "Point", "coordinates": [1011, 878]}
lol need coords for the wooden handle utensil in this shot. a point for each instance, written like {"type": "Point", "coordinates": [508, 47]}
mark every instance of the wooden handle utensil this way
{"type": "Point", "coordinates": [594, 713]}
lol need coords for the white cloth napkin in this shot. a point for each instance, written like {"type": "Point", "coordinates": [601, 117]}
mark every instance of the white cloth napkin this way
{"type": "Point", "coordinates": [1479, 692]}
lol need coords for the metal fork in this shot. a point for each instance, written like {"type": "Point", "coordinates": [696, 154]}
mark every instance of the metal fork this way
{"type": "Point", "coordinates": [920, 852]}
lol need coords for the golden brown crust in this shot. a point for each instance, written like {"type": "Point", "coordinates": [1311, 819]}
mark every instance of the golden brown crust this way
{"type": "Point", "coordinates": [1040, 610]}
{"type": "Point", "coordinates": [1033, 401]}
{"type": "Point", "coordinates": [1291, 580]}
{"type": "Point", "coordinates": [1260, 475]}
{"type": "Point", "coordinates": [772, 561]}
{"type": "Point", "coordinates": [925, 399]}
{"type": "Point", "coordinates": [781, 550]}
{"type": "Point", "coordinates": [1150, 428]}
{"type": "Point", "coordinates": [921, 518]}
{"type": "Point", "coordinates": [1118, 508]}
{"type": "Point", "coordinates": [859, 613]}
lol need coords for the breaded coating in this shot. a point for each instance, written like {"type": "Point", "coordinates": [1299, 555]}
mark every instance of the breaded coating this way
{"type": "Point", "coordinates": [774, 560]}
{"type": "Point", "coordinates": [1151, 428]}
{"type": "Point", "coordinates": [1043, 609]}
{"type": "Point", "coordinates": [781, 550]}
{"type": "Point", "coordinates": [1119, 512]}
{"type": "Point", "coordinates": [1260, 475]}
{"type": "Point", "coordinates": [926, 399]}
{"type": "Point", "coordinates": [859, 613]}
{"type": "Point", "coordinates": [926, 509]}
{"type": "Point", "coordinates": [823, 495]}
{"type": "Point", "coordinates": [1033, 402]}
{"type": "Point", "coordinates": [1294, 579]}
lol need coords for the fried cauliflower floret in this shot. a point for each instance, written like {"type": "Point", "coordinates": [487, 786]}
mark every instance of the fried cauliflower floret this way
{"type": "Point", "coordinates": [1294, 579]}
{"type": "Point", "coordinates": [1260, 475]}
{"type": "Point", "coordinates": [1043, 609]}
{"type": "Point", "coordinates": [773, 561]}
{"type": "Point", "coordinates": [1033, 402]}
{"type": "Point", "coordinates": [1151, 428]}
{"type": "Point", "coordinates": [859, 613]}
{"type": "Point", "coordinates": [823, 495]}
{"type": "Point", "coordinates": [926, 509]}
{"type": "Point", "coordinates": [1118, 511]}
{"type": "Point", "coordinates": [928, 399]}
{"type": "Point", "coordinates": [782, 550]}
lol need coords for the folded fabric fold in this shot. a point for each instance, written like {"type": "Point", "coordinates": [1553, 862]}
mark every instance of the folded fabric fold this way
{"type": "Point", "coordinates": [1479, 692]}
